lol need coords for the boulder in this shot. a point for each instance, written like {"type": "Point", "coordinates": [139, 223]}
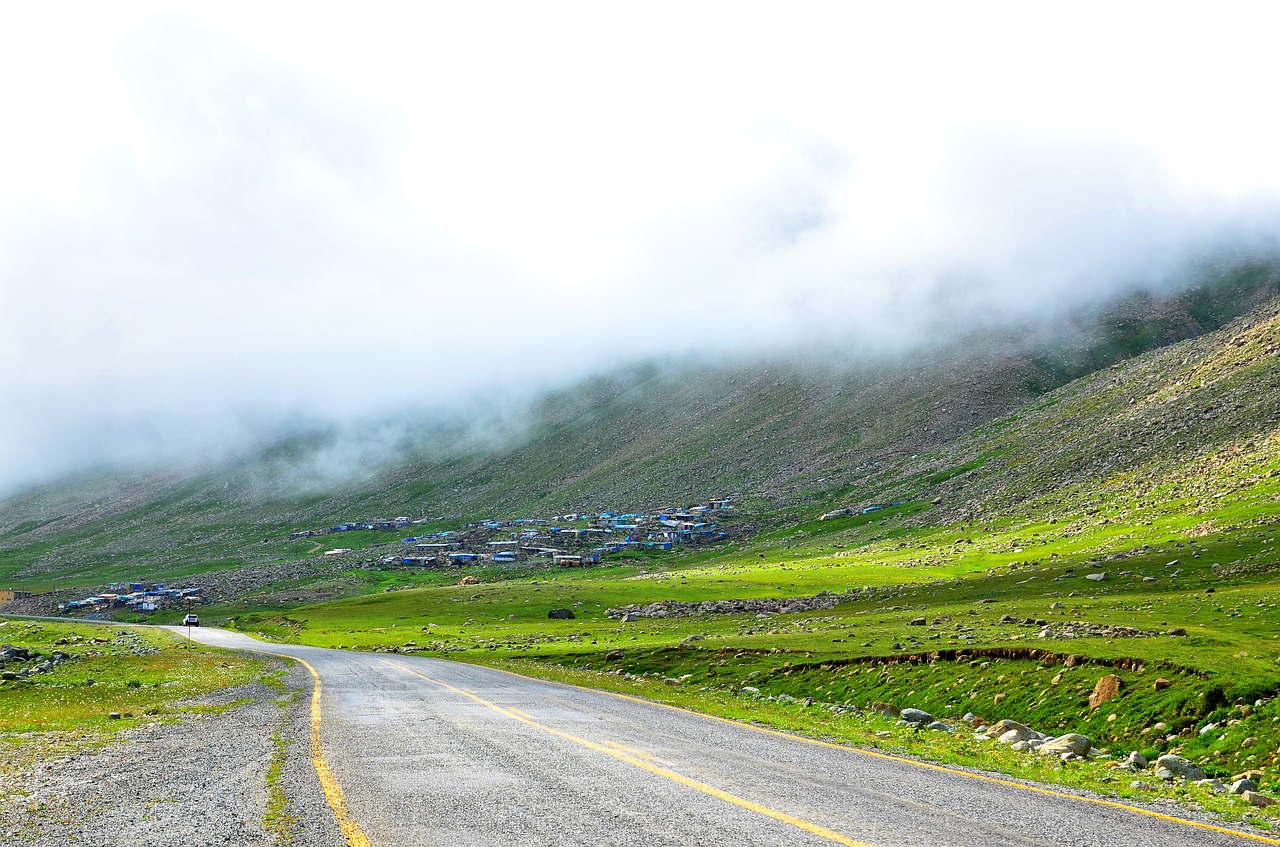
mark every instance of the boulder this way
{"type": "Point", "coordinates": [1002, 728]}
{"type": "Point", "coordinates": [1170, 766]}
{"type": "Point", "coordinates": [1214, 785]}
{"type": "Point", "coordinates": [1253, 798]}
{"type": "Point", "coordinates": [561, 614]}
{"type": "Point", "coordinates": [469, 580]}
{"type": "Point", "coordinates": [1073, 743]}
{"type": "Point", "coordinates": [1136, 759]}
{"type": "Point", "coordinates": [1161, 684]}
{"type": "Point", "coordinates": [690, 640]}
{"type": "Point", "coordinates": [916, 716]}
{"type": "Point", "coordinates": [1177, 632]}
{"type": "Point", "coordinates": [1101, 576]}
{"type": "Point", "coordinates": [1240, 786]}
{"type": "Point", "coordinates": [1107, 688]}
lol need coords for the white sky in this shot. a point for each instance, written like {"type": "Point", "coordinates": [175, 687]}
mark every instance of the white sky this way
{"type": "Point", "coordinates": [214, 217]}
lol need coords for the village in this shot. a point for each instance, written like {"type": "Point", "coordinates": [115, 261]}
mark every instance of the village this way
{"type": "Point", "coordinates": [139, 597]}
{"type": "Point", "coordinates": [570, 540]}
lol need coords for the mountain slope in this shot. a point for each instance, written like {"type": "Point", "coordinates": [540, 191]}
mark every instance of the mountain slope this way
{"type": "Point", "coordinates": [970, 424]}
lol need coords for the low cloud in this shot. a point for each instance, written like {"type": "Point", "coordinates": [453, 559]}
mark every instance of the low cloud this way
{"type": "Point", "coordinates": [252, 243]}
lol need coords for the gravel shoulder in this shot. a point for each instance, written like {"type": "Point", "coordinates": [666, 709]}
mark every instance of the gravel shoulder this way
{"type": "Point", "coordinates": [202, 780]}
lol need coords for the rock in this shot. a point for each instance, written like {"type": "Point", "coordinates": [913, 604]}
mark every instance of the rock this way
{"type": "Point", "coordinates": [561, 614]}
{"type": "Point", "coordinates": [1240, 786]}
{"type": "Point", "coordinates": [1161, 684]}
{"type": "Point", "coordinates": [916, 716]}
{"type": "Point", "coordinates": [613, 655]}
{"type": "Point", "coordinates": [1170, 766]}
{"type": "Point", "coordinates": [1253, 798]}
{"type": "Point", "coordinates": [115, 716]}
{"type": "Point", "coordinates": [9, 675]}
{"type": "Point", "coordinates": [1136, 759]}
{"type": "Point", "coordinates": [1097, 577]}
{"type": "Point", "coordinates": [1073, 743]}
{"type": "Point", "coordinates": [939, 726]}
{"type": "Point", "coordinates": [918, 622]}
{"type": "Point", "coordinates": [690, 640]}
{"type": "Point", "coordinates": [1001, 728]}
{"type": "Point", "coordinates": [1212, 784]}
{"type": "Point", "coordinates": [750, 689]}
{"type": "Point", "coordinates": [1207, 728]}
{"type": "Point", "coordinates": [1248, 742]}
{"type": "Point", "coordinates": [1107, 688]}
{"type": "Point", "coordinates": [469, 580]}
{"type": "Point", "coordinates": [1000, 698]}
{"type": "Point", "coordinates": [886, 709]}
{"type": "Point", "coordinates": [630, 617]}
{"type": "Point", "coordinates": [1177, 632]}
{"type": "Point", "coordinates": [1254, 775]}
{"type": "Point", "coordinates": [1019, 746]}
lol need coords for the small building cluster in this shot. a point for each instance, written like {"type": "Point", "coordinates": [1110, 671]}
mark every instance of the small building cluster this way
{"type": "Point", "coordinates": [571, 540]}
{"type": "Point", "coordinates": [134, 597]}
{"type": "Point", "coordinates": [379, 525]}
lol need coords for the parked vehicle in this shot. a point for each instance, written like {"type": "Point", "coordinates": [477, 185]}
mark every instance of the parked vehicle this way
{"type": "Point", "coordinates": [191, 620]}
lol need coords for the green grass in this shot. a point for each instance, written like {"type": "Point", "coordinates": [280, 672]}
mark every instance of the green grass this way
{"type": "Point", "coordinates": [106, 675]}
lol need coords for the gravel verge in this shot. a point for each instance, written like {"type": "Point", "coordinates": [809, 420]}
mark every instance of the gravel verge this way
{"type": "Point", "coordinates": [200, 781]}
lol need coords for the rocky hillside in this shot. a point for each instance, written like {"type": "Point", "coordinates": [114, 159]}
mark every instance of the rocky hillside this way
{"type": "Point", "coordinates": [1147, 385]}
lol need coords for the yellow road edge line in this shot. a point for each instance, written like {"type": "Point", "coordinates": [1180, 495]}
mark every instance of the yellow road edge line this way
{"type": "Point", "coordinates": [332, 791]}
{"type": "Point", "coordinates": [633, 751]}
{"type": "Point", "coordinates": [521, 713]}
{"type": "Point", "coordinates": [799, 823]}
{"type": "Point", "coordinates": [892, 758]}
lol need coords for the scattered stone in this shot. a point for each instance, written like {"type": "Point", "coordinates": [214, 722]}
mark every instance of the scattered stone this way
{"type": "Point", "coordinates": [469, 580]}
{"type": "Point", "coordinates": [918, 622]}
{"type": "Point", "coordinates": [1100, 576]}
{"type": "Point", "coordinates": [1240, 786]}
{"type": "Point", "coordinates": [1107, 688]}
{"type": "Point", "coordinates": [750, 689]}
{"type": "Point", "coordinates": [1248, 742]}
{"type": "Point", "coordinates": [690, 640]}
{"type": "Point", "coordinates": [1213, 785]}
{"type": "Point", "coordinates": [939, 726]}
{"type": "Point", "coordinates": [1161, 684]}
{"type": "Point", "coordinates": [561, 614]}
{"type": "Point", "coordinates": [613, 655]}
{"type": "Point", "coordinates": [887, 709]}
{"type": "Point", "coordinates": [1073, 743]}
{"type": "Point", "coordinates": [916, 716]}
{"type": "Point", "coordinates": [1170, 766]}
{"type": "Point", "coordinates": [1138, 760]}
{"type": "Point", "coordinates": [1177, 632]}
{"type": "Point", "coordinates": [115, 716]}
{"type": "Point", "coordinates": [1253, 798]}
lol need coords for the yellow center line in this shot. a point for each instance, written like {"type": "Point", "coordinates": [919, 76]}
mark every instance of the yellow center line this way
{"type": "Point", "coordinates": [799, 823]}
{"type": "Point", "coordinates": [615, 745]}
{"type": "Point", "coordinates": [521, 713]}
{"type": "Point", "coordinates": [332, 791]}
{"type": "Point", "coordinates": [901, 760]}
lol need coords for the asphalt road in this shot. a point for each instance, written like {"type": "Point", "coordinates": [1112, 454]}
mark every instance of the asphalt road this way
{"type": "Point", "coordinates": [417, 751]}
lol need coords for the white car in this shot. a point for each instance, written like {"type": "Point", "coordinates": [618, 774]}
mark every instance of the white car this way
{"type": "Point", "coordinates": [191, 620]}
